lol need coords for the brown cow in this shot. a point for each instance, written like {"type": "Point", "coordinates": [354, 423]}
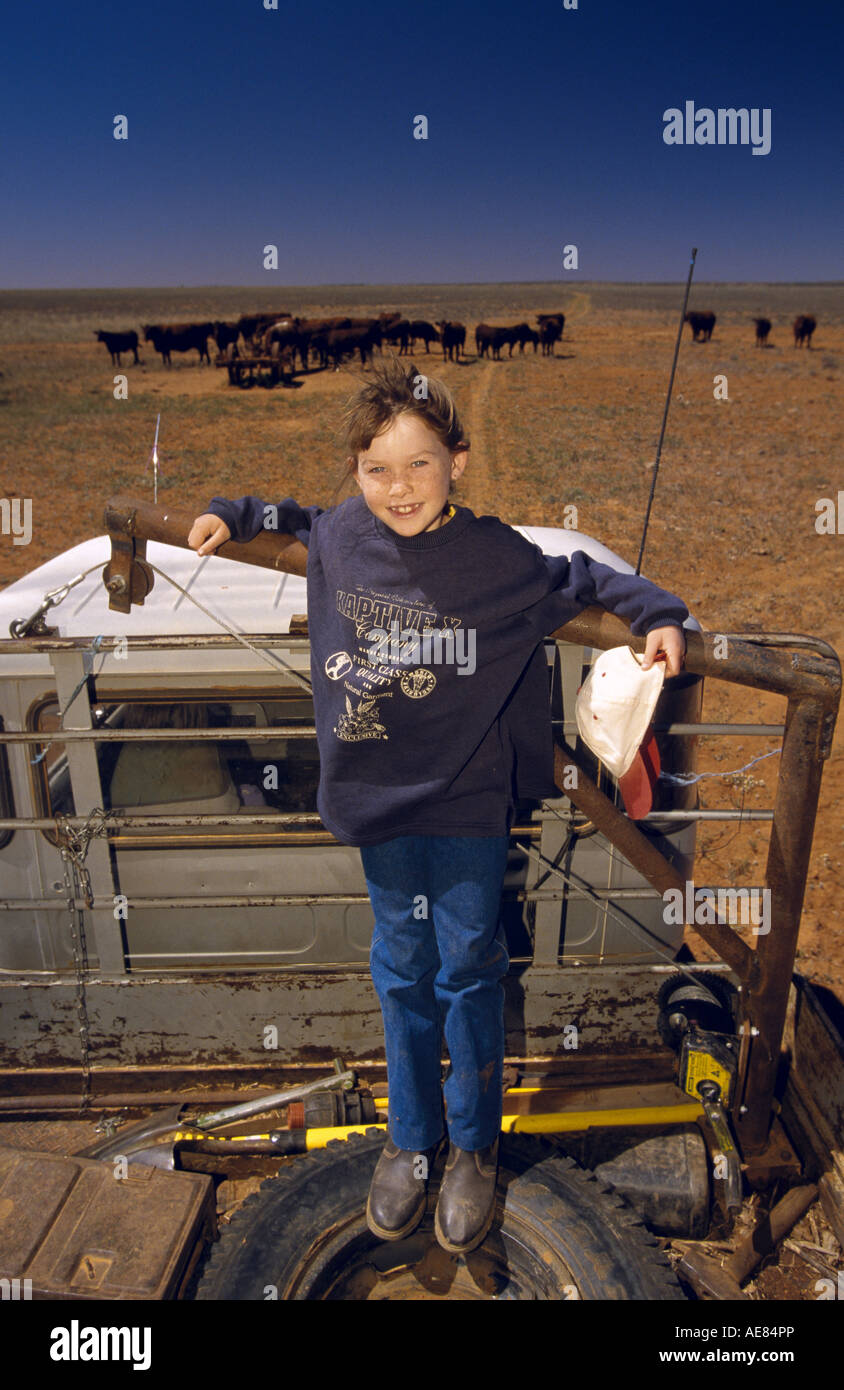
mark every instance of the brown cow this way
{"type": "Point", "coordinates": [483, 338]}
{"type": "Point", "coordinates": [495, 337]}
{"type": "Point", "coordinates": [343, 342]}
{"type": "Point", "coordinates": [286, 334]}
{"type": "Point", "coordinates": [804, 326]}
{"type": "Point", "coordinates": [251, 325]}
{"type": "Point", "coordinates": [373, 326]}
{"type": "Point", "coordinates": [311, 330]}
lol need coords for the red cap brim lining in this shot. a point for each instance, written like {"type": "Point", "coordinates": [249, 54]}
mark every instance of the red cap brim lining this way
{"type": "Point", "coordinates": [639, 781]}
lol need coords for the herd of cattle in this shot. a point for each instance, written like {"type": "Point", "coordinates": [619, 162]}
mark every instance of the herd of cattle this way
{"type": "Point", "coordinates": [702, 325]}
{"type": "Point", "coordinates": [330, 340]}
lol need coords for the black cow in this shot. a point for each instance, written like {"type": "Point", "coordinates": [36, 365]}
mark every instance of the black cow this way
{"type": "Point", "coordinates": [804, 326]}
{"type": "Point", "coordinates": [549, 334]}
{"type": "Point", "coordinates": [483, 338]}
{"type": "Point", "coordinates": [224, 334]}
{"type": "Point", "coordinates": [398, 333]}
{"type": "Point", "coordinates": [179, 337]}
{"type": "Point", "coordinates": [502, 337]}
{"type": "Point", "coordinates": [453, 338]}
{"type": "Point", "coordinates": [420, 328]}
{"type": "Point", "coordinates": [551, 328]}
{"type": "Point", "coordinates": [523, 333]}
{"type": "Point", "coordinates": [117, 343]}
{"type": "Point", "coordinates": [701, 325]}
{"type": "Point", "coordinates": [763, 328]}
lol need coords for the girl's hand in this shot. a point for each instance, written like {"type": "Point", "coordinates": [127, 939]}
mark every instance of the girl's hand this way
{"type": "Point", "coordinates": [668, 643]}
{"type": "Point", "coordinates": [207, 532]}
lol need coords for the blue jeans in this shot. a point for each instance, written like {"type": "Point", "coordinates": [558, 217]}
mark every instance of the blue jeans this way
{"type": "Point", "coordinates": [438, 956]}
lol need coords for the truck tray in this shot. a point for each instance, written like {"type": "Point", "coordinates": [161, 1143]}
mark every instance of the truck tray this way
{"type": "Point", "coordinates": [69, 1228]}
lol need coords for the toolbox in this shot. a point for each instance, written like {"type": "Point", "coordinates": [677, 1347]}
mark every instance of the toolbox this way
{"type": "Point", "coordinates": [77, 1228]}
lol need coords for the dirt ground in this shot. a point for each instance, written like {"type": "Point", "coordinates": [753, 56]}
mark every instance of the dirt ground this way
{"type": "Point", "coordinates": [733, 528]}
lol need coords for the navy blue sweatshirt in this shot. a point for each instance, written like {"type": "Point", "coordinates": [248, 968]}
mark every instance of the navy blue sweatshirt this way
{"type": "Point", "coordinates": [430, 682]}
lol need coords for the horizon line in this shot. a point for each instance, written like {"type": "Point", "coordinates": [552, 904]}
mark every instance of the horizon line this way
{"type": "Point", "coordinates": [391, 284]}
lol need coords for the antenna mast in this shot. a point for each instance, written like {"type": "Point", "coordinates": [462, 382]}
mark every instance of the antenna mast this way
{"type": "Point", "coordinates": [665, 412]}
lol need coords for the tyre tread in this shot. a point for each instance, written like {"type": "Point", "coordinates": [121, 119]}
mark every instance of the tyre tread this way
{"type": "Point", "coordinates": [518, 1153]}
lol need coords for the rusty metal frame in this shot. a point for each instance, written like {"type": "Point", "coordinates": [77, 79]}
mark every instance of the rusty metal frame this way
{"type": "Point", "coordinates": [805, 670]}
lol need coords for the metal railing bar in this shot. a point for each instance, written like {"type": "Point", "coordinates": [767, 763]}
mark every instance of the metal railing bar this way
{"type": "Point", "coordinates": [704, 730]}
{"type": "Point", "coordinates": [282, 818]}
{"type": "Point", "coordinates": [610, 895]}
{"type": "Point", "coordinates": [254, 734]}
{"type": "Point", "coordinates": [162, 642]}
{"type": "Point", "coordinates": [112, 735]}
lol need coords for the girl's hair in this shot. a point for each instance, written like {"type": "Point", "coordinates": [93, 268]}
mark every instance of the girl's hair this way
{"type": "Point", "coordinates": [393, 389]}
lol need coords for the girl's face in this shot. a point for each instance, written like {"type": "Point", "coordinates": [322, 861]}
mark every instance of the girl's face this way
{"type": "Point", "coordinates": [405, 474]}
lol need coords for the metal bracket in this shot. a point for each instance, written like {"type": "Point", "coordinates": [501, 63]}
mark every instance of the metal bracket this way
{"type": "Point", "coordinates": [127, 576]}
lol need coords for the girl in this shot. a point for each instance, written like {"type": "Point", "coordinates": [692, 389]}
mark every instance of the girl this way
{"type": "Point", "coordinates": [432, 713]}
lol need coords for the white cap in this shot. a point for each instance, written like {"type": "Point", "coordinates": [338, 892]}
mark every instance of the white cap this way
{"type": "Point", "coordinates": [615, 705]}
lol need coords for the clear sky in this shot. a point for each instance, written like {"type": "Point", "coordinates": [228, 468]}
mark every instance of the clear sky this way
{"type": "Point", "coordinates": [294, 126]}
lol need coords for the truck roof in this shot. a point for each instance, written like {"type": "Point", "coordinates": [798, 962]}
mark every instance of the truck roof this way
{"type": "Point", "coordinates": [251, 599]}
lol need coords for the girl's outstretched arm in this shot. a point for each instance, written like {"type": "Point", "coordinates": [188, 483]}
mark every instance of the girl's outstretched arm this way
{"type": "Point", "coordinates": [247, 517]}
{"type": "Point", "coordinates": [580, 580]}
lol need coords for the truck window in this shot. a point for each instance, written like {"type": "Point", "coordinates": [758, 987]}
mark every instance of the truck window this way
{"type": "Point", "coordinates": [202, 776]}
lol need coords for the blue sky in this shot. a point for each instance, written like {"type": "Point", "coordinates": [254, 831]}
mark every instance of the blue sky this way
{"type": "Point", "coordinates": [295, 127]}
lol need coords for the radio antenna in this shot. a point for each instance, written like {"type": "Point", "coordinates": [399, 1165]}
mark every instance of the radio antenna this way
{"type": "Point", "coordinates": [665, 412]}
{"type": "Point", "coordinates": [153, 459]}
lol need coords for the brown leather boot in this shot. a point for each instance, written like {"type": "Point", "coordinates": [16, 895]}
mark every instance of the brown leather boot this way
{"type": "Point", "coordinates": [398, 1191]}
{"type": "Point", "coordinates": [466, 1202]}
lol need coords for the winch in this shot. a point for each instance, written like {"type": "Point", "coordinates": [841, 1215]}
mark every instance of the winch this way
{"type": "Point", "coordinates": [697, 1019]}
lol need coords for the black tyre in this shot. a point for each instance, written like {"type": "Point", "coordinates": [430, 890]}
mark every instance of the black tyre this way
{"type": "Point", "coordinates": [558, 1233]}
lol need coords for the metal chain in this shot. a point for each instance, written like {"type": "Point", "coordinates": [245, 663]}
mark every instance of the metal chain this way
{"type": "Point", "coordinates": [73, 845]}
